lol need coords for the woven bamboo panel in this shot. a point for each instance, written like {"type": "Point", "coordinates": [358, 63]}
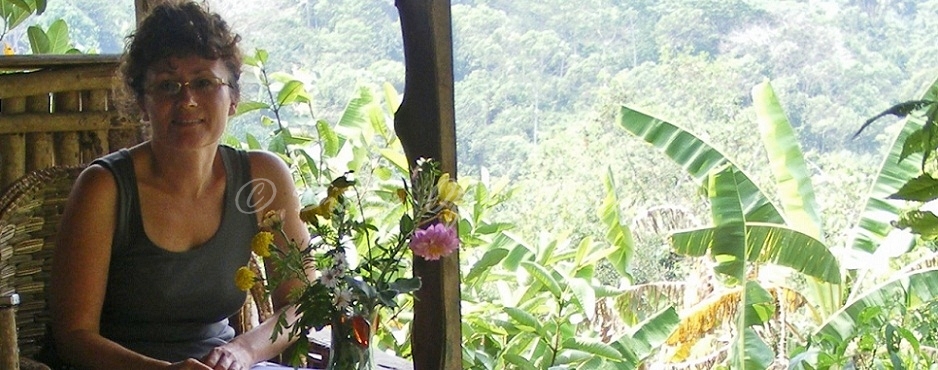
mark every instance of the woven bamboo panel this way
{"type": "Point", "coordinates": [29, 216]}
{"type": "Point", "coordinates": [59, 111]}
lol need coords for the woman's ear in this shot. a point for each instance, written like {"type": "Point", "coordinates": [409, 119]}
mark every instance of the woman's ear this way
{"type": "Point", "coordinates": [232, 108]}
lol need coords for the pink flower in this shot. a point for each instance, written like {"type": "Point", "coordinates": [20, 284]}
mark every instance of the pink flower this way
{"type": "Point", "coordinates": [434, 242]}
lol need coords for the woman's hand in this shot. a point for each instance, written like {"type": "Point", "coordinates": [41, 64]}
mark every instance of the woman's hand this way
{"type": "Point", "coordinates": [190, 364]}
{"type": "Point", "coordinates": [227, 357]}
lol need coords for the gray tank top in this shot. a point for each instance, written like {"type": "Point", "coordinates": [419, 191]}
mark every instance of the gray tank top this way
{"type": "Point", "coordinates": [175, 305]}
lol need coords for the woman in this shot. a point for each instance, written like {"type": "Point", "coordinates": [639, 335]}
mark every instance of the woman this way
{"type": "Point", "coordinates": [151, 237]}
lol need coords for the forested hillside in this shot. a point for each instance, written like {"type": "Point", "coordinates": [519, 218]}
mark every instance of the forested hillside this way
{"type": "Point", "coordinates": [538, 83]}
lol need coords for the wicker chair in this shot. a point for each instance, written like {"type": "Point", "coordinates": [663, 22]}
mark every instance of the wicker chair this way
{"type": "Point", "coordinates": [29, 215]}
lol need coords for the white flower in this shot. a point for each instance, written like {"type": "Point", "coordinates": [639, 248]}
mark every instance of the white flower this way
{"type": "Point", "coordinates": [340, 262]}
{"type": "Point", "coordinates": [342, 299]}
{"type": "Point", "coordinates": [329, 278]}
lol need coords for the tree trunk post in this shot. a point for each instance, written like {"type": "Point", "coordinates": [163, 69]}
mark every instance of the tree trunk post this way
{"type": "Point", "coordinates": [425, 123]}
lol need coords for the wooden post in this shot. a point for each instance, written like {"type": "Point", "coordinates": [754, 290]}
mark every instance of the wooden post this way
{"type": "Point", "coordinates": [425, 123]}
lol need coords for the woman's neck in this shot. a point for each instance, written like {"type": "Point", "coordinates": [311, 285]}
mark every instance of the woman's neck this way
{"type": "Point", "coordinates": [187, 173]}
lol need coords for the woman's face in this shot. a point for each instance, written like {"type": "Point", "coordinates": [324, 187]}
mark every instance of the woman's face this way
{"type": "Point", "coordinates": [187, 101]}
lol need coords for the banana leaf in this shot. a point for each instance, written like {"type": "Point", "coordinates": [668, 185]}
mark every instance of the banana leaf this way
{"type": "Point", "coordinates": [795, 190]}
{"type": "Point", "coordinates": [769, 243]}
{"type": "Point", "coordinates": [728, 247]}
{"type": "Point", "coordinates": [874, 222]}
{"type": "Point", "coordinates": [698, 158]}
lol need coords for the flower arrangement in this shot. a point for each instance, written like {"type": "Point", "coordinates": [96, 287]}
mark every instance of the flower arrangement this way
{"type": "Point", "coordinates": [351, 285]}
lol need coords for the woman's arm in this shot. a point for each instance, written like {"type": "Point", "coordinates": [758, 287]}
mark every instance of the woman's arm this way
{"type": "Point", "coordinates": [79, 277]}
{"type": "Point", "coordinates": [255, 345]}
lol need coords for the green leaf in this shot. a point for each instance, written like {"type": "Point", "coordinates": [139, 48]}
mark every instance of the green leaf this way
{"type": "Point", "coordinates": [760, 306]}
{"type": "Point", "coordinates": [617, 234]}
{"type": "Point", "coordinates": [57, 33]}
{"type": "Point", "coordinates": [246, 106]}
{"type": "Point", "coordinates": [252, 142]}
{"type": "Point", "coordinates": [519, 361]}
{"type": "Point", "coordinates": [728, 247]}
{"type": "Point", "coordinates": [756, 355]}
{"type": "Point", "coordinates": [585, 296]}
{"type": "Point", "coordinates": [874, 223]}
{"type": "Point", "coordinates": [520, 251]}
{"type": "Point", "coordinates": [698, 158]}
{"type": "Point", "coordinates": [406, 225]}
{"type": "Point", "coordinates": [396, 158]}
{"type": "Point", "coordinates": [489, 259]}
{"type": "Point", "coordinates": [770, 243]}
{"type": "Point", "coordinates": [913, 288]}
{"type": "Point", "coordinates": [593, 347]}
{"type": "Point", "coordinates": [792, 177]}
{"type": "Point", "coordinates": [405, 285]}
{"type": "Point", "coordinates": [524, 320]}
{"type": "Point", "coordinates": [38, 41]}
{"type": "Point", "coordinates": [261, 56]}
{"type": "Point", "coordinates": [922, 223]}
{"type": "Point", "coordinates": [327, 138]}
{"type": "Point", "coordinates": [654, 332]}
{"type": "Point", "coordinates": [920, 189]}
{"type": "Point", "coordinates": [292, 92]}
{"type": "Point", "coordinates": [542, 275]}
{"type": "Point", "coordinates": [354, 116]}
{"type": "Point", "coordinates": [15, 12]}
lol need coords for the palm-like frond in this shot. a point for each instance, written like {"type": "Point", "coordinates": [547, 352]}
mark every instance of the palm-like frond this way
{"type": "Point", "coordinates": [875, 220]}
{"type": "Point", "coordinates": [796, 193]}
{"type": "Point", "coordinates": [698, 158]}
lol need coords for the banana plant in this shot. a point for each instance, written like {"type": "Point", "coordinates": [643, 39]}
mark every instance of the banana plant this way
{"type": "Point", "coordinates": [699, 158]}
{"type": "Point", "coordinates": [784, 235]}
{"type": "Point", "coordinates": [794, 229]}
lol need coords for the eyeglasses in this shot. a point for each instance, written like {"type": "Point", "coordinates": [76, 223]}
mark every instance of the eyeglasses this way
{"type": "Point", "coordinates": [199, 85]}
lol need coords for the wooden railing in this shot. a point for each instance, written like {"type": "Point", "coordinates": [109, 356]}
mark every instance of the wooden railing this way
{"type": "Point", "coordinates": [59, 110]}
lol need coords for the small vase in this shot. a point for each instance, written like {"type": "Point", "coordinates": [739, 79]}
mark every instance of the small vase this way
{"type": "Point", "coordinates": [352, 345]}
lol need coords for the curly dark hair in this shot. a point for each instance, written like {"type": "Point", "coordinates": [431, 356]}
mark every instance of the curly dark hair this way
{"type": "Point", "coordinates": [179, 29]}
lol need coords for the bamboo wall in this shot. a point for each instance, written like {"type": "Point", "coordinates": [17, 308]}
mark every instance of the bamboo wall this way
{"type": "Point", "coordinates": [58, 110]}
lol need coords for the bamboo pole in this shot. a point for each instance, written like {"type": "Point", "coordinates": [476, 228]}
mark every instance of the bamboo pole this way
{"type": "Point", "coordinates": [57, 80]}
{"type": "Point", "coordinates": [67, 150]}
{"type": "Point", "coordinates": [39, 148]}
{"type": "Point", "coordinates": [98, 144]}
{"type": "Point", "coordinates": [12, 146]}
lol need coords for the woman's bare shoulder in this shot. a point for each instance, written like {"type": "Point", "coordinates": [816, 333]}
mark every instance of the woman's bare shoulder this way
{"type": "Point", "coordinates": [268, 165]}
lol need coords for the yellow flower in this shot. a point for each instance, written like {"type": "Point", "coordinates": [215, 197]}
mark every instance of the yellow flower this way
{"type": "Point", "coordinates": [244, 278]}
{"type": "Point", "coordinates": [449, 191]}
{"type": "Point", "coordinates": [448, 216]}
{"type": "Point", "coordinates": [326, 205]}
{"type": "Point", "coordinates": [273, 219]}
{"type": "Point", "coordinates": [260, 244]}
{"type": "Point", "coordinates": [308, 214]}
